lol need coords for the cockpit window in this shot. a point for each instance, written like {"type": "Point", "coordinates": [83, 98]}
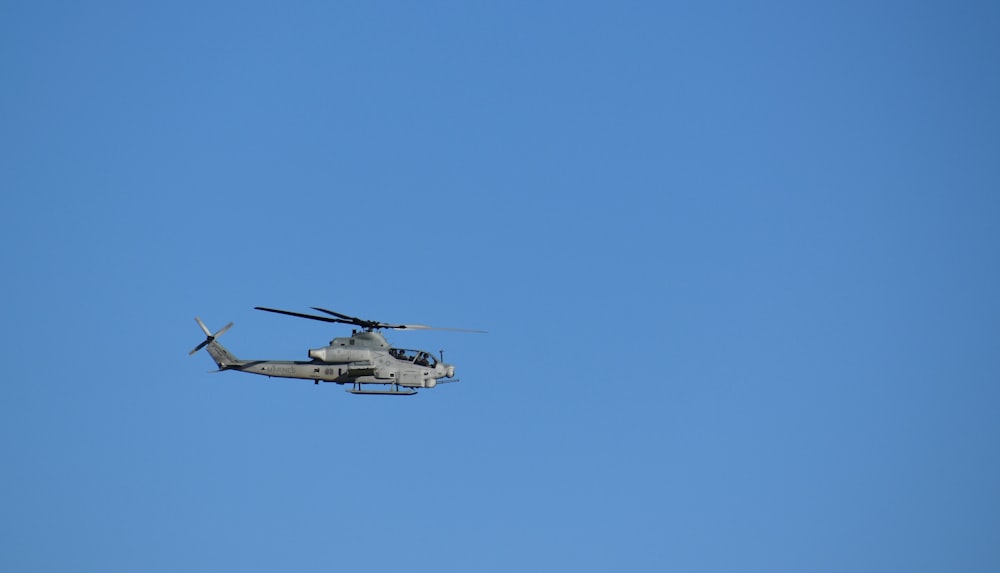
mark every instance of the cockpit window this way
{"type": "Point", "coordinates": [401, 354]}
{"type": "Point", "coordinates": [418, 357]}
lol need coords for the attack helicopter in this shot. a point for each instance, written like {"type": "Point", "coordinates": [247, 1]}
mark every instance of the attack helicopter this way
{"type": "Point", "coordinates": [364, 358]}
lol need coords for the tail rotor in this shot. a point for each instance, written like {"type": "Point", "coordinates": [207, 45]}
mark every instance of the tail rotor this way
{"type": "Point", "coordinates": [209, 337]}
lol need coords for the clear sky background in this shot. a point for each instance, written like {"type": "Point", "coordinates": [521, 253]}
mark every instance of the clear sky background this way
{"type": "Point", "coordinates": [738, 262]}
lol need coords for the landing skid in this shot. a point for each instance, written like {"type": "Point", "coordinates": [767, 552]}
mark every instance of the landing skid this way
{"type": "Point", "coordinates": [394, 392]}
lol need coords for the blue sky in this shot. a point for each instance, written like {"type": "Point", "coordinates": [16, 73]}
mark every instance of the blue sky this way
{"type": "Point", "coordinates": [738, 263]}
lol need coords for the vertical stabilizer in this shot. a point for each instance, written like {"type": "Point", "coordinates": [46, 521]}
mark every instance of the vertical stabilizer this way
{"type": "Point", "coordinates": [222, 356]}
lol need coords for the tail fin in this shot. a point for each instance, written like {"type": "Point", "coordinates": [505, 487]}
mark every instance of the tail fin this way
{"type": "Point", "coordinates": [223, 358]}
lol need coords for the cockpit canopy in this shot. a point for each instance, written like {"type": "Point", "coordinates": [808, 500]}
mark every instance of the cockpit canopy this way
{"type": "Point", "coordinates": [418, 357]}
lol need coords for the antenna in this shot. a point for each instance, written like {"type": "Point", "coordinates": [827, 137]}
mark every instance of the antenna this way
{"type": "Point", "coordinates": [442, 355]}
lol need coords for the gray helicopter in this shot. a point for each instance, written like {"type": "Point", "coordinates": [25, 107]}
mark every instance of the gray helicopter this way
{"type": "Point", "coordinates": [361, 359]}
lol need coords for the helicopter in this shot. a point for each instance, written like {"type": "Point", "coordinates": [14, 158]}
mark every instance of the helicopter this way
{"type": "Point", "coordinates": [364, 358]}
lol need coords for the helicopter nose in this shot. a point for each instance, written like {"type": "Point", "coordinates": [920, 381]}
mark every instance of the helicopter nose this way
{"type": "Point", "coordinates": [450, 371]}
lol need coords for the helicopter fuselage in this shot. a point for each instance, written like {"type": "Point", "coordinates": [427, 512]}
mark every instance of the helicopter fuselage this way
{"type": "Point", "coordinates": [363, 358]}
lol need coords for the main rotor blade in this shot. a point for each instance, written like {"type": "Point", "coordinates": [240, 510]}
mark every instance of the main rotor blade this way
{"type": "Point", "coordinates": [301, 315]}
{"type": "Point", "coordinates": [344, 316]}
{"type": "Point", "coordinates": [367, 324]}
{"type": "Point", "coordinates": [425, 327]}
